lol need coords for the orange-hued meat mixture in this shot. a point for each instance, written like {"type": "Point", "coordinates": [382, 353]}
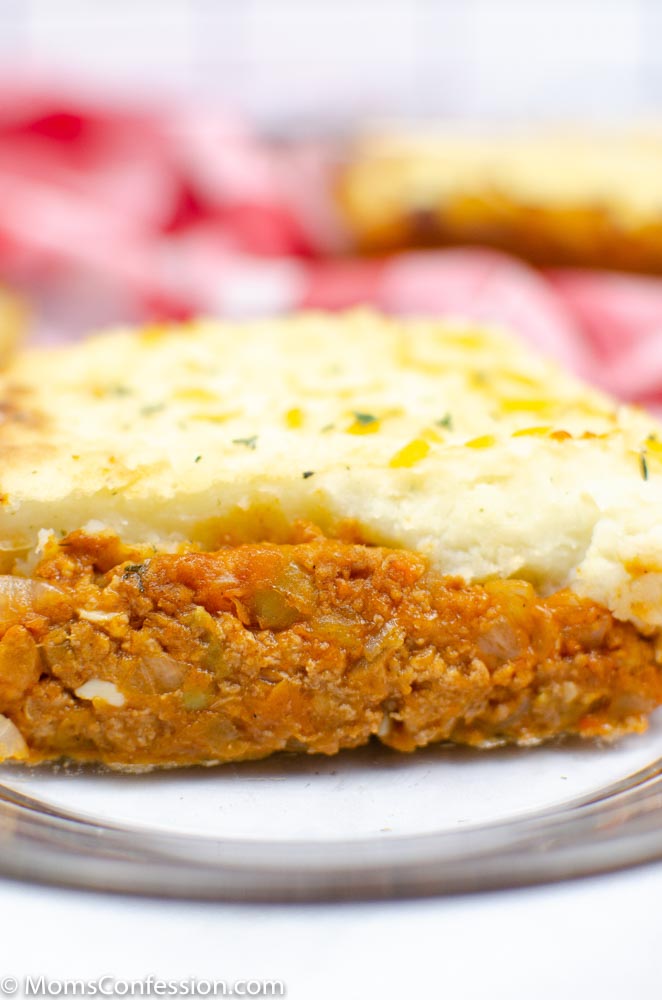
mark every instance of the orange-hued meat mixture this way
{"type": "Point", "coordinates": [544, 234]}
{"type": "Point", "coordinates": [315, 646]}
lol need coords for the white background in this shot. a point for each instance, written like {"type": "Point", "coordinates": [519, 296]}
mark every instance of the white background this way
{"type": "Point", "coordinates": [589, 939]}
{"type": "Point", "coordinates": [322, 63]}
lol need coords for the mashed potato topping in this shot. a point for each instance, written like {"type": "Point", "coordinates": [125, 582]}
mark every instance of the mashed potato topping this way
{"type": "Point", "coordinates": [436, 437]}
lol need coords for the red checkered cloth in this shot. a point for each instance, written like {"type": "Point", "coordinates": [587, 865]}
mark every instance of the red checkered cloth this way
{"type": "Point", "coordinates": [113, 215]}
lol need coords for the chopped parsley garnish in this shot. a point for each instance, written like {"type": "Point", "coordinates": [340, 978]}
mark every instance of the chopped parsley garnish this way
{"type": "Point", "coordinates": [197, 458]}
{"type": "Point", "coordinates": [307, 475]}
{"type": "Point", "coordinates": [364, 418]}
{"type": "Point", "coordinates": [120, 390]}
{"type": "Point", "coordinates": [249, 442]}
{"type": "Point", "coordinates": [446, 421]}
{"type": "Point", "coordinates": [644, 466]}
{"type": "Point", "coordinates": [135, 570]}
{"type": "Point", "coordinates": [147, 411]}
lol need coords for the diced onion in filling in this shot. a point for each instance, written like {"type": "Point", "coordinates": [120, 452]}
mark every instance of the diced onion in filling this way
{"type": "Point", "coordinates": [97, 690]}
{"type": "Point", "coordinates": [12, 744]}
{"type": "Point", "coordinates": [19, 594]}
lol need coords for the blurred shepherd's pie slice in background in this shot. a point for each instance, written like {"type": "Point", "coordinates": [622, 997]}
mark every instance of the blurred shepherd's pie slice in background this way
{"type": "Point", "coordinates": [13, 322]}
{"type": "Point", "coordinates": [590, 198]}
{"type": "Point", "coordinates": [220, 541]}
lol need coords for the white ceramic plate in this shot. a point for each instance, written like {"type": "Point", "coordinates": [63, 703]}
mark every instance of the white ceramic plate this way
{"type": "Point", "coordinates": [364, 823]}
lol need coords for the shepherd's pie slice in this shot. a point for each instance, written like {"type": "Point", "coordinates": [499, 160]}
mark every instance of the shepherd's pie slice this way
{"type": "Point", "coordinates": [555, 196]}
{"type": "Point", "coordinates": [220, 541]}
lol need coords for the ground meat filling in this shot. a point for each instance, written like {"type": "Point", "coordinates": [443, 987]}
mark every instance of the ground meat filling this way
{"type": "Point", "coordinates": [586, 236]}
{"type": "Point", "coordinates": [126, 656]}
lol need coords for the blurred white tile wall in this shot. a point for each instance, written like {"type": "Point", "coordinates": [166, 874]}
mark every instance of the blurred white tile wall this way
{"type": "Point", "coordinates": [312, 63]}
